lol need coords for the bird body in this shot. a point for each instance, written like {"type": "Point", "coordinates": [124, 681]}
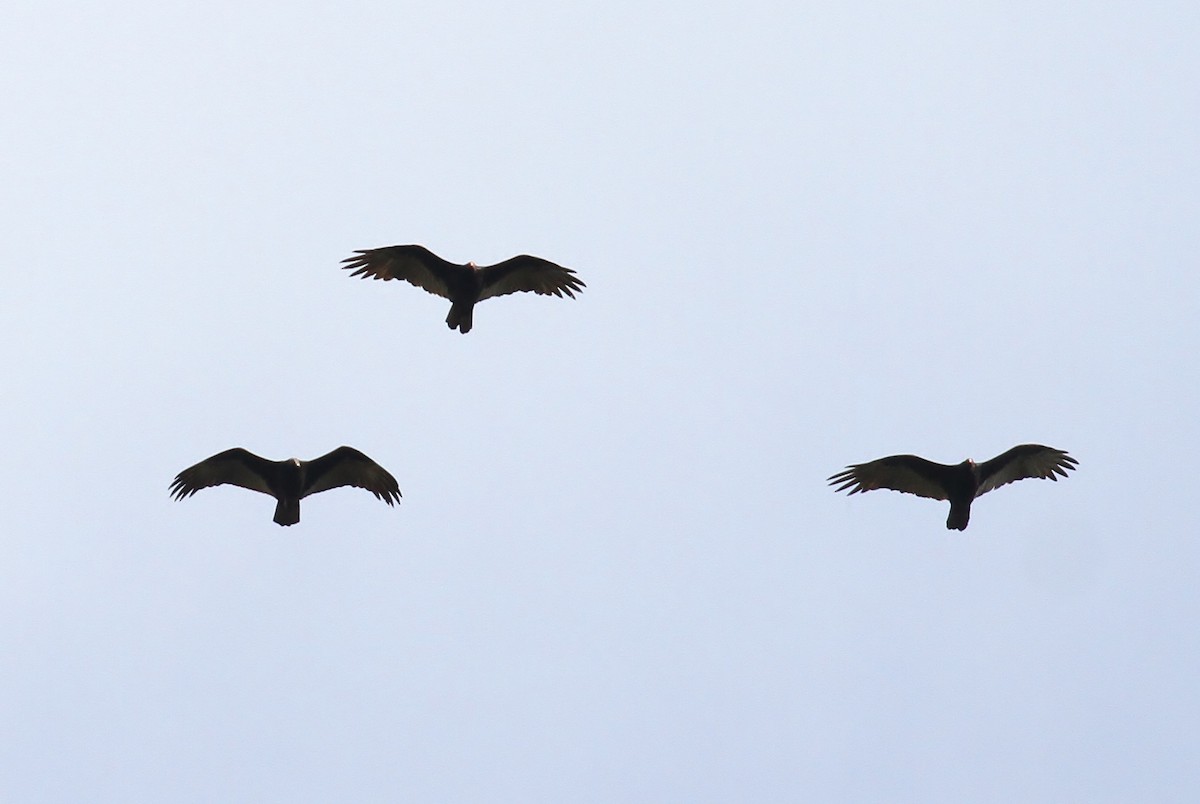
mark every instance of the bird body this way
{"type": "Point", "coordinates": [960, 484]}
{"type": "Point", "coordinates": [464, 285]}
{"type": "Point", "coordinates": [288, 481]}
{"type": "Point", "coordinates": [287, 485]}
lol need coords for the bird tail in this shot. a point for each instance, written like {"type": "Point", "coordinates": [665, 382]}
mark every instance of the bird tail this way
{"type": "Point", "coordinates": [960, 514]}
{"type": "Point", "coordinates": [287, 512]}
{"type": "Point", "coordinates": [460, 317]}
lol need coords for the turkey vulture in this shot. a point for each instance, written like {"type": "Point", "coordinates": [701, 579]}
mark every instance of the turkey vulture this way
{"type": "Point", "coordinates": [288, 481]}
{"type": "Point", "coordinates": [959, 484]}
{"type": "Point", "coordinates": [463, 285]}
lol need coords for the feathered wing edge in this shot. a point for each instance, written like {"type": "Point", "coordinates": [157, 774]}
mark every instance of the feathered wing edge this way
{"type": "Point", "coordinates": [531, 274]}
{"type": "Point", "coordinates": [237, 466]}
{"type": "Point", "coordinates": [905, 473]}
{"type": "Point", "coordinates": [415, 264]}
{"type": "Point", "coordinates": [346, 466]}
{"type": "Point", "coordinates": [1024, 461]}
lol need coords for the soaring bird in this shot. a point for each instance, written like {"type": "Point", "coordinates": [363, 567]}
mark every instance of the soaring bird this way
{"type": "Point", "coordinates": [288, 481]}
{"type": "Point", "coordinates": [959, 484]}
{"type": "Point", "coordinates": [463, 285]}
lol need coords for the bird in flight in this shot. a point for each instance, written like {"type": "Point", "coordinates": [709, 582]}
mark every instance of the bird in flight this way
{"type": "Point", "coordinates": [288, 481]}
{"type": "Point", "coordinates": [463, 285]}
{"type": "Point", "coordinates": [959, 484]}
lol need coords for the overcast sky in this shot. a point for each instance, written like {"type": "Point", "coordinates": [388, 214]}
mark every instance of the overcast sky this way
{"type": "Point", "coordinates": [812, 235]}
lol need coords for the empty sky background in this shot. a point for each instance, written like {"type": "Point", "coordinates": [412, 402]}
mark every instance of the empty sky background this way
{"type": "Point", "coordinates": [812, 235]}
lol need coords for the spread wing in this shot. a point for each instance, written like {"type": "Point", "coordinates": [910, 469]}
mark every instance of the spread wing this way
{"type": "Point", "coordinates": [235, 466]}
{"type": "Point", "coordinates": [1027, 460]}
{"type": "Point", "coordinates": [414, 264]}
{"type": "Point", "coordinates": [346, 466]}
{"type": "Point", "coordinates": [906, 473]}
{"type": "Point", "coordinates": [531, 274]}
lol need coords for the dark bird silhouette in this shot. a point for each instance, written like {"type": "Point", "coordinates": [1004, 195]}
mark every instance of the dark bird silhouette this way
{"type": "Point", "coordinates": [288, 481]}
{"type": "Point", "coordinates": [463, 285]}
{"type": "Point", "coordinates": [959, 484]}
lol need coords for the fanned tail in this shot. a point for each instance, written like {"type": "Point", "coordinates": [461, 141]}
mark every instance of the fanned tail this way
{"type": "Point", "coordinates": [287, 512]}
{"type": "Point", "coordinates": [460, 317]}
{"type": "Point", "coordinates": [960, 514]}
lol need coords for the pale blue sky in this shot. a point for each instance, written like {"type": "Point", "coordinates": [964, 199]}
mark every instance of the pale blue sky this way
{"type": "Point", "coordinates": [811, 236]}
